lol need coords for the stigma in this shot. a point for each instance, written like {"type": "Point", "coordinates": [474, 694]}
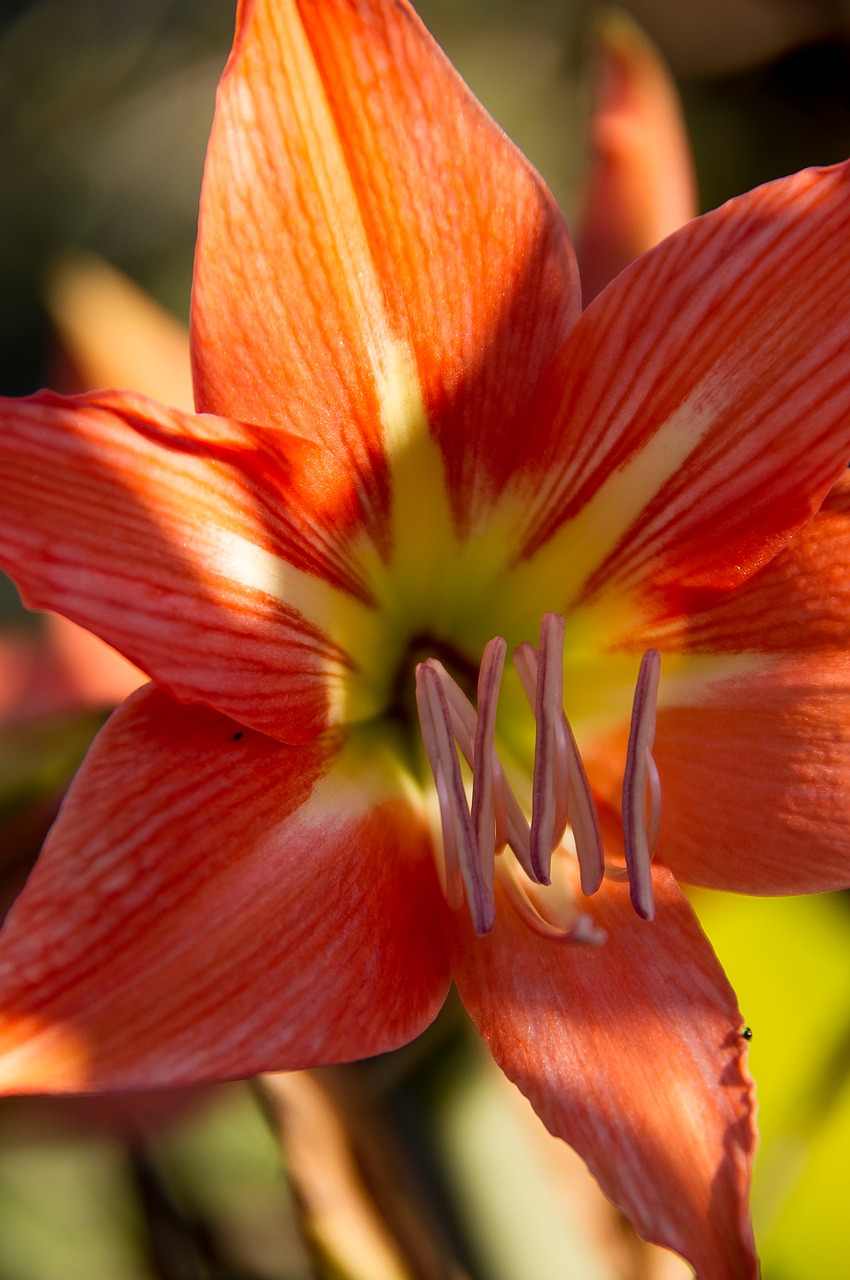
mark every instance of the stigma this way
{"type": "Point", "coordinates": [488, 835]}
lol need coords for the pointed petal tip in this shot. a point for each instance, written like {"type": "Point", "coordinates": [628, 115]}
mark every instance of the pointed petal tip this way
{"type": "Point", "coordinates": [316, 143]}
{"type": "Point", "coordinates": [632, 1053]}
{"type": "Point", "coordinates": [641, 183]}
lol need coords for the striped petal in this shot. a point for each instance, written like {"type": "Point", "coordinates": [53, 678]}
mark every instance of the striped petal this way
{"type": "Point", "coordinates": [756, 767]}
{"type": "Point", "coordinates": [227, 576]}
{"type": "Point", "coordinates": [640, 186]}
{"type": "Point", "coordinates": [371, 245]}
{"type": "Point", "coordinates": [632, 1053]}
{"type": "Point", "coordinates": [756, 781]}
{"type": "Point", "coordinates": [708, 409]}
{"type": "Point", "coordinates": [211, 904]}
{"type": "Point", "coordinates": [753, 731]}
{"type": "Point", "coordinates": [798, 604]}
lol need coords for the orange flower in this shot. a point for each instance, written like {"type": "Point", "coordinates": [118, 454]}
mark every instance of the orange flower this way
{"type": "Point", "coordinates": [413, 453]}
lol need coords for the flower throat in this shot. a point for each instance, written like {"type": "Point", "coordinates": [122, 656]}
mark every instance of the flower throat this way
{"type": "Point", "coordinates": [491, 836]}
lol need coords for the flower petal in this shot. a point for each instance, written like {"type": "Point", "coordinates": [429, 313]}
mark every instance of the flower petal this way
{"type": "Point", "coordinates": [708, 409]}
{"type": "Point", "coordinates": [756, 779]}
{"type": "Point", "coordinates": [768, 751]}
{"type": "Point", "coordinates": [212, 904]}
{"type": "Point", "coordinates": [179, 541]}
{"type": "Point", "coordinates": [798, 604]}
{"type": "Point", "coordinates": [632, 1053]}
{"type": "Point", "coordinates": [641, 185]}
{"type": "Point", "coordinates": [753, 733]}
{"type": "Point", "coordinates": [365, 225]}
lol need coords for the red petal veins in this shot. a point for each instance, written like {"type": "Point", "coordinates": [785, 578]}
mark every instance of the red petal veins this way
{"type": "Point", "coordinates": [756, 779]}
{"type": "Point", "coordinates": [211, 904]}
{"type": "Point", "coordinates": [799, 603]}
{"type": "Point", "coordinates": [707, 412]}
{"type": "Point", "coordinates": [632, 1053]}
{"type": "Point", "coordinates": [357, 195]}
{"type": "Point", "coordinates": [287, 312]}
{"type": "Point", "coordinates": [753, 741]}
{"type": "Point", "coordinates": [178, 541]}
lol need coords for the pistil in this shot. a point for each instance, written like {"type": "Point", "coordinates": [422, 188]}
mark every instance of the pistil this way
{"type": "Point", "coordinates": [493, 835]}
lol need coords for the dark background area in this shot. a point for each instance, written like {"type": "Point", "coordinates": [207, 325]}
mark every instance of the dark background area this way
{"type": "Point", "coordinates": [105, 108]}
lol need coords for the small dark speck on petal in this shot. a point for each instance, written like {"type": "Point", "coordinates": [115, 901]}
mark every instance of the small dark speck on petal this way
{"type": "Point", "coordinates": [238, 735]}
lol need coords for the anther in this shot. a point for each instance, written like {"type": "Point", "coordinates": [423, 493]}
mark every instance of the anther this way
{"type": "Point", "coordinates": [511, 822]}
{"type": "Point", "coordinates": [459, 838]}
{"type": "Point", "coordinates": [473, 838]}
{"type": "Point", "coordinates": [571, 785]}
{"type": "Point", "coordinates": [642, 788]}
{"type": "Point", "coordinates": [489, 818]}
{"type": "Point", "coordinates": [463, 717]}
{"type": "Point", "coordinates": [451, 880]}
{"type": "Point", "coordinates": [548, 709]}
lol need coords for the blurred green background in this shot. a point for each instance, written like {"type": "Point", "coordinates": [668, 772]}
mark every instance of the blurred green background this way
{"type": "Point", "coordinates": [104, 111]}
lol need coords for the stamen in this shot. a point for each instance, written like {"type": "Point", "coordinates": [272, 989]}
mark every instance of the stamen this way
{"type": "Point", "coordinates": [474, 836]}
{"type": "Point", "coordinates": [525, 661]}
{"type": "Point", "coordinates": [464, 719]}
{"type": "Point", "coordinates": [576, 927]}
{"type": "Point", "coordinates": [512, 827]}
{"type": "Point", "coordinates": [572, 782]}
{"type": "Point", "coordinates": [653, 825]}
{"type": "Point", "coordinates": [548, 708]}
{"type": "Point", "coordinates": [484, 762]}
{"type": "Point", "coordinates": [451, 879]}
{"type": "Point", "coordinates": [519, 833]}
{"type": "Point", "coordinates": [502, 833]}
{"type": "Point", "coordinates": [587, 832]}
{"type": "Point", "coordinates": [459, 837]}
{"type": "Point", "coordinates": [641, 786]}
{"type": "Point", "coordinates": [562, 773]}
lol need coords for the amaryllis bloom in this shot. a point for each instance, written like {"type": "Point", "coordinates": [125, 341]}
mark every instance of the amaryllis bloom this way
{"type": "Point", "coordinates": [428, 511]}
